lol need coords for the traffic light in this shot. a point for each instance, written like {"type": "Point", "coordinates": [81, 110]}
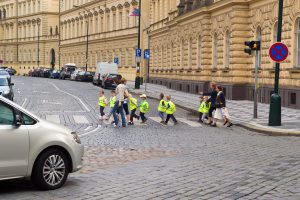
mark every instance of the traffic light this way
{"type": "Point", "coordinates": [253, 46]}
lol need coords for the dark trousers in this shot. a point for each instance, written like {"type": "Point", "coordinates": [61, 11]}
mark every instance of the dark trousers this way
{"type": "Point", "coordinates": [143, 117]}
{"type": "Point", "coordinates": [211, 110]}
{"type": "Point", "coordinates": [171, 116]}
{"type": "Point", "coordinates": [102, 111]}
{"type": "Point", "coordinates": [133, 115]}
{"type": "Point", "coordinates": [200, 116]}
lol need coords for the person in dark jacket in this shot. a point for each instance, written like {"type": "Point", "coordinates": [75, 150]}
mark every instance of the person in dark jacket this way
{"type": "Point", "coordinates": [213, 97]}
{"type": "Point", "coordinates": [221, 110]}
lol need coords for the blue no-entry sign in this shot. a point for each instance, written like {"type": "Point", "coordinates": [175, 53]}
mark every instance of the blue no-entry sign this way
{"type": "Point", "coordinates": [278, 52]}
{"type": "Point", "coordinates": [147, 54]}
{"type": "Point", "coordinates": [138, 53]}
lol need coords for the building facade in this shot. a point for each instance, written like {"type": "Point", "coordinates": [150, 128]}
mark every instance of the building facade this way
{"type": "Point", "coordinates": [112, 34]}
{"type": "Point", "coordinates": [194, 42]}
{"type": "Point", "coordinates": [28, 34]}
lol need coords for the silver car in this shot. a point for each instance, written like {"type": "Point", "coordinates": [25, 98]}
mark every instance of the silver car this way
{"type": "Point", "coordinates": [6, 89]}
{"type": "Point", "coordinates": [33, 148]}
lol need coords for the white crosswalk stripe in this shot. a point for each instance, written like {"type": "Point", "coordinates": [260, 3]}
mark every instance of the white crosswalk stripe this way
{"type": "Point", "coordinates": [53, 118]}
{"type": "Point", "coordinates": [80, 119]}
{"type": "Point", "coordinates": [158, 120]}
{"type": "Point", "coordinates": [190, 123]}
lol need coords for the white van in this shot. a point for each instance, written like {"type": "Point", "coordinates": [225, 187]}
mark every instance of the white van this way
{"type": "Point", "coordinates": [102, 70]}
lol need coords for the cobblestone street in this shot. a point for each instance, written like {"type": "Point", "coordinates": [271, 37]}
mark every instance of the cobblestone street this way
{"type": "Point", "coordinates": [188, 161]}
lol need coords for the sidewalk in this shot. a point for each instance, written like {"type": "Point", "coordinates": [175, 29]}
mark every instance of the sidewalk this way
{"type": "Point", "coordinates": [241, 111]}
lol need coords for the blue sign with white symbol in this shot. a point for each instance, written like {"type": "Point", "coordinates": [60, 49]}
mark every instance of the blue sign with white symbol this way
{"type": "Point", "coordinates": [138, 53]}
{"type": "Point", "coordinates": [278, 52]}
{"type": "Point", "coordinates": [116, 60]}
{"type": "Point", "coordinates": [147, 54]}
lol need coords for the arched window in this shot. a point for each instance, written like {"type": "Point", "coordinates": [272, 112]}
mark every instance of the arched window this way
{"type": "Point", "coordinates": [227, 49]}
{"type": "Point", "coordinates": [275, 29]}
{"type": "Point", "coordinates": [190, 53]}
{"type": "Point", "coordinates": [215, 50]}
{"type": "Point", "coordinates": [51, 31]}
{"type": "Point", "coordinates": [258, 38]}
{"type": "Point", "coordinates": [199, 51]}
{"type": "Point", "coordinates": [120, 20]}
{"type": "Point", "coordinates": [297, 41]}
{"type": "Point", "coordinates": [107, 23]}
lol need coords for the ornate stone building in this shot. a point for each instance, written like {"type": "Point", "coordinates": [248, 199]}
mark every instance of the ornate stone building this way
{"type": "Point", "coordinates": [194, 42]}
{"type": "Point", "coordinates": [25, 27]}
{"type": "Point", "coordinates": [112, 33]}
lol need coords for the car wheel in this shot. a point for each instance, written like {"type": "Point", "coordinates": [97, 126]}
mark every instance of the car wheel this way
{"type": "Point", "coordinates": [51, 170]}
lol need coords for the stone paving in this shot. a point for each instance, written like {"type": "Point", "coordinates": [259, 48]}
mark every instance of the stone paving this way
{"type": "Point", "coordinates": [240, 111]}
{"type": "Point", "coordinates": [162, 162]}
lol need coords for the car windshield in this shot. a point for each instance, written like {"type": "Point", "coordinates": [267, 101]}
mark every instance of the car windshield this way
{"type": "Point", "coordinates": [2, 72]}
{"type": "Point", "coordinates": [3, 82]}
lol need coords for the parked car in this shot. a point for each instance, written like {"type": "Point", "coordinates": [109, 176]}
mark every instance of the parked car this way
{"type": "Point", "coordinates": [34, 148]}
{"type": "Point", "coordinates": [36, 72]}
{"type": "Point", "coordinates": [11, 71]}
{"type": "Point", "coordinates": [85, 76]}
{"type": "Point", "coordinates": [108, 81]}
{"type": "Point", "coordinates": [46, 72]}
{"type": "Point", "coordinates": [74, 75]}
{"type": "Point", "coordinates": [102, 69]}
{"type": "Point", "coordinates": [67, 70]}
{"type": "Point", "coordinates": [6, 89]}
{"type": "Point", "coordinates": [6, 74]}
{"type": "Point", "coordinates": [55, 74]}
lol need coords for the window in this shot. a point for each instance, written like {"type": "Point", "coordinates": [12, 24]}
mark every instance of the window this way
{"type": "Point", "coordinates": [298, 42]}
{"type": "Point", "coordinates": [7, 116]}
{"type": "Point", "coordinates": [215, 50]}
{"type": "Point", "coordinates": [199, 54]}
{"type": "Point", "coordinates": [114, 22]}
{"type": "Point", "coordinates": [293, 98]}
{"type": "Point", "coordinates": [4, 13]}
{"type": "Point", "coordinates": [182, 54]}
{"type": "Point", "coordinates": [126, 58]}
{"type": "Point", "coordinates": [121, 20]}
{"type": "Point", "coordinates": [0, 14]}
{"type": "Point", "coordinates": [51, 31]}
{"type": "Point", "coordinates": [127, 19]}
{"type": "Point", "coordinates": [101, 26]}
{"type": "Point", "coordinates": [190, 53]}
{"type": "Point", "coordinates": [227, 49]}
{"type": "Point", "coordinates": [107, 23]}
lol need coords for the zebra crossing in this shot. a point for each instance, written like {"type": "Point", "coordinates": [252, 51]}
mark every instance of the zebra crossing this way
{"type": "Point", "coordinates": [82, 119]}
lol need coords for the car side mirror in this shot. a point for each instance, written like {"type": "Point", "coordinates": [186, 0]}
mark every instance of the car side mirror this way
{"type": "Point", "coordinates": [12, 84]}
{"type": "Point", "coordinates": [19, 120]}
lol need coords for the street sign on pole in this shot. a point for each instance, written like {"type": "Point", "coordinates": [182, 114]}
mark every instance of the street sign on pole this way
{"type": "Point", "coordinates": [278, 52]}
{"type": "Point", "coordinates": [147, 54]}
{"type": "Point", "coordinates": [138, 53]}
{"type": "Point", "coordinates": [116, 61]}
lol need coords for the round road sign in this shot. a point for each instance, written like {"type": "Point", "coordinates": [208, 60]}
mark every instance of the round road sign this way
{"type": "Point", "coordinates": [278, 52]}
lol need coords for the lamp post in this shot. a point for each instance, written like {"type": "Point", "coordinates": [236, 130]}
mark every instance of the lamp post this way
{"type": "Point", "coordinates": [275, 105]}
{"type": "Point", "coordinates": [87, 38]}
{"type": "Point", "coordinates": [38, 46]}
{"type": "Point", "coordinates": [138, 63]}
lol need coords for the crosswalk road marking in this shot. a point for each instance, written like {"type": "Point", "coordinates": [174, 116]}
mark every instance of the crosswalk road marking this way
{"type": "Point", "coordinates": [53, 118]}
{"type": "Point", "coordinates": [190, 123]}
{"type": "Point", "coordinates": [158, 120]}
{"type": "Point", "coordinates": [136, 123]}
{"type": "Point", "coordinates": [80, 119]}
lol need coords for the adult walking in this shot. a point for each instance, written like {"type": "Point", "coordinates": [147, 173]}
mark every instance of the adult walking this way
{"type": "Point", "coordinates": [213, 97]}
{"type": "Point", "coordinates": [221, 110]}
{"type": "Point", "coordinates": [121, 93]}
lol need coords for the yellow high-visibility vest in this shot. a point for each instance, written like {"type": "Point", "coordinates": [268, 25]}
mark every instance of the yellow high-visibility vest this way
{"type": "Point", "coordinates": [102, 101]}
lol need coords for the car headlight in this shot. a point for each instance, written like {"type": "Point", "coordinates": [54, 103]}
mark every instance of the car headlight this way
{"type": "Point", "coordinates": [6, 92]}
{"type": "Point", "coordinates": [76, 137]}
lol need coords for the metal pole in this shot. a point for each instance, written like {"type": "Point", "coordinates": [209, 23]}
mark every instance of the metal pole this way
{"type": "Point", "coordinates": [138, 63]}
{"type": "Point", "coordinates": [59, 18]}
{"type": "Point", "coordinates": [255, 87]}
{"type": "Point", "coordinates": [87, 44]}
{"type": "Point", "coordinates": [38, 46]}
{"type": "Point", "coordinates": [275, 105]}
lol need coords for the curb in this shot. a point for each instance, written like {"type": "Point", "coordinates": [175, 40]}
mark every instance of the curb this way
{"type": "Point", "coordinates": [247, 125]}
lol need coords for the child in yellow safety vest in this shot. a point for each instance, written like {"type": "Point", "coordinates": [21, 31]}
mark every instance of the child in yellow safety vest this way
{"type": "Point", "coordinates": [144, 108]}
{"type": "Point", "coordinates": [102, 103]}
{"type": "Point", "coordinates": [171, 108]}
{"type": "Point", "coordinates": [204, 108]}
{"type": "Point", "coordinates": [200, 102]}
{"type": "Point", "coordinates": [132, 106]}
{"type": "Point", "coordinates": [162, 108]}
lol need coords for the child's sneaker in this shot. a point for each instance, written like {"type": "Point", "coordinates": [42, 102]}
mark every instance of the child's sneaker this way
{"type": "Point", "coordinates": [130, 123]}
{"type": "Point", "coordinates": [162, 121]}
